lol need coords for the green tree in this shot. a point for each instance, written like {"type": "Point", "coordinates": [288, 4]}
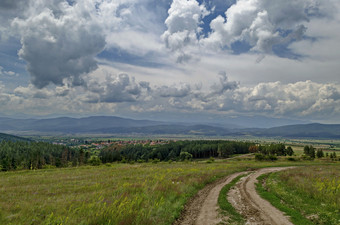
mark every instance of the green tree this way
{"type": "Point", "coordinates": [319, 153]}
{"type": "Point", "coordinates": [289, 151]}
{"type": "Point", "coordinates": [309, 151]}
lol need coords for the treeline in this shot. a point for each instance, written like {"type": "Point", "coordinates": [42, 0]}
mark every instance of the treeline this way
{"type": "Point", "coordinates": [174, 151]}
{"type": "Point", "coordinates": [275, 149]}
{"type": "Point", "coordinates": [36, 155]}
{"type": "Point", "coordinates": [270, 152]}
{"type": "Point", "coordinates": [310, 152]}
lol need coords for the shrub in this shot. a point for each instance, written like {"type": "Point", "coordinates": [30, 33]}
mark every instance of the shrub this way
{"type": "Point", "coordinates": [185, 156]}
{"type": "Point", "coordinates": [94, 160]}
{"type": "Point", "coordinates": [155, 161]}
{"type": "Point", "coordinates": [259, 157]}
{"type": "Point", "coordinates": [211, 160]}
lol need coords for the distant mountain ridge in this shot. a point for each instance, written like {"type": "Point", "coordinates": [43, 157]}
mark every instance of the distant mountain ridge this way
{"type": "Point", "coordinates": [313, 130]}
{"type": "Point", "coordinates": [123, 126]}
{"type": "Point", "coordinates": [71, 125]}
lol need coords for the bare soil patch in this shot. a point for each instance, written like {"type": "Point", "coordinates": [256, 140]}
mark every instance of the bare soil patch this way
{"type": "Point", "coordinates": [203, 208]}
{"type": "Point", "coordinates": [244, 198]}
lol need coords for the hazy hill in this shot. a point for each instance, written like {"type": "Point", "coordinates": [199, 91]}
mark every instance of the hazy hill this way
{"type": "Point", "coordinates": [8, 137]}
{"type": "Point", "coordinates": [313, 130]}
{"type": "Point", "coordinates": [205, 130]}
{"type": "Point", "coordinates": [118, 125]}
{"type": "Point", "coordinates": [71, 125]}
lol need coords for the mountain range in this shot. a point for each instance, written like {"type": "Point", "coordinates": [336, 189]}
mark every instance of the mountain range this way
{"type": "Point", "coordinates": [117, 125]}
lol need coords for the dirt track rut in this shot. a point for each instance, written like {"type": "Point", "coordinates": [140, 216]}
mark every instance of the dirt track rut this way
{"type": "Point", "coordinates": [203, 209]}
{"type": "Point", "coordinates": [256, 210]}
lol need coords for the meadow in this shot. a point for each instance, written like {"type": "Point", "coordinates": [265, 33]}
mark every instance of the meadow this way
{"type": "Point", "coordinates": [310, 195]}
{"type": "Point", "coordinates": [145, 193]}
{"type": "Point", "coordinates": [117, 193]}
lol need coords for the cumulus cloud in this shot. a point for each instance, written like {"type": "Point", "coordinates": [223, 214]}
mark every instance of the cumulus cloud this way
{"type": "Point", "coordinates": [304, 99]}
{"type": "Point", "coordinates": [8, 11]}
{"type": "Point", "coordinates": [61, 39]}
{"type": "Point", "coordinates": [31, 92]}
{"type": "Point", "coordinates": [58, 44]}
{"type": "Point", "coordinates": [7, 73]}
{"type": "Point", "coordinates": [298, 99]}
{"type": "Point", "coordinates": [223, 85]}
{"type": "Point", "coordinates": [263, 23]}
{"type": "Point", "coordinates": [115, 89]}
{"type": "Point", "coordinates": [178, 91]}
{"type": "Point", "coordinates": [183, 25]}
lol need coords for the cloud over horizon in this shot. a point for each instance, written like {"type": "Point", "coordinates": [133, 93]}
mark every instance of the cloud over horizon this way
{"type": "Point", "coordinates": [300, 100]}
{"type": "Point", "coordinates": [276, 59]}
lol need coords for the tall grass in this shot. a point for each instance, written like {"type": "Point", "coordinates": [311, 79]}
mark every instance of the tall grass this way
{"type": "Point", "coordinates": [313, 192]}
{"type": "Point", "coordinates": [109, 194]}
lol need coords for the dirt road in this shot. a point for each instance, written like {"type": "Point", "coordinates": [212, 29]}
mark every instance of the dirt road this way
{"type": "Point", "coordinates": [203, 209]}
{"type": "Point", "coordinates": [255, 209]}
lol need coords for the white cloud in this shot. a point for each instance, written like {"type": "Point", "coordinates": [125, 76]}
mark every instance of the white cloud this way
{"type": "Point", "coordinates": [263, 23]}
{"type": "Point", "coordinates": [181, 90]}
{"type": "Point", "coordinates": [7, 73]}
{"type": "Point", "coordinates": [59, 45]}
{"type": "Point", "coordinates": [121, 88]}
{"type": "Point", "coordinates": [183, 25]}
{"type": "Point", "coordinates": [300, 99]}
{"type": "Point", "coordinates": [224, 85]}
{"type": "Point", "coordinates": [304, 99]}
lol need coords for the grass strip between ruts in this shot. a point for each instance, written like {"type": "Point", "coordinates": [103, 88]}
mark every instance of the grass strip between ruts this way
{"type": "Point", "coordinates": [295, 216]}
{"type": "Point", "coordinates": [226, 207]}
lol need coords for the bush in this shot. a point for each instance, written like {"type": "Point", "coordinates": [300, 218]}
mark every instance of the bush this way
{"type": "Point", "coordinates": [155, 161]}
{"type": "Point", "coordinates": [185, 156]}
{"type": "Point", "coordinates": [259, 157]}
{"type": "Point", "coordinates": [94, 160]}
{"type": "Point", "coordinates": [271, 157]}
{"type": "Point", "coordinates": [211, 160]}
{"type": "Point", "coordinates": [291, 159]}
{"type": "Point", "coordinates": [262, 157]}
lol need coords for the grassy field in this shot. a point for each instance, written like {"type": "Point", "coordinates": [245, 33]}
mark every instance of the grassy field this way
{"type": "Point", "coordinates": [310, 195]}
{"type": "Point", "coordinates": [298, 150]}
{"type": "Point", "coordinates": [110, 194]}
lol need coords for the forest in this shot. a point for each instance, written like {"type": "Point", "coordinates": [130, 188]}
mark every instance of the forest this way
{"type": "Point", "coordinates": [179, 150]}
{"type": "Point", "coordinates": [38, 155]}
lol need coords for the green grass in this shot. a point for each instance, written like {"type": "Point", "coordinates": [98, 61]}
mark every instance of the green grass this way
{"type": "Point", "coordinates": [110, 194]}
{"type": "Point", "coordinates": [310, 195]}
{"type": "Point", "coordinates": [227, 209]}
{"type": "Point", "coordinates": [276, 201]}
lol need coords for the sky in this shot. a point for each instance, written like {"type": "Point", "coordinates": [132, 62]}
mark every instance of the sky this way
{"type": "Point", "coordinates": [222, 61]}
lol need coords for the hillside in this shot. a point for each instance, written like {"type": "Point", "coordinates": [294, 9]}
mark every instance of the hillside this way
{"type": "Point", "coordinates": [71, 125]}
{"type": "Point", "coordinates": [314, 130]}
{"type": "Point", "coordinates": [8, 137]}
{"type": "Point", "coordinates": [124, 126]}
